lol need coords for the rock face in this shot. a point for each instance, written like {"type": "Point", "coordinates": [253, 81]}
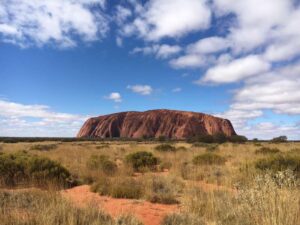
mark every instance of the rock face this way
{"type": "Point", "coordinates": [155, 123]}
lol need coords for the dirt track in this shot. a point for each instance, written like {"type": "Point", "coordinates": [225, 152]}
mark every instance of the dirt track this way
{"type": "Point", "coordinates": [146, 212]}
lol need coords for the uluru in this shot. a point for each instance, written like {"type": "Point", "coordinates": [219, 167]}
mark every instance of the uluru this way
{"type": "Point", "coordinates": [171, 124]}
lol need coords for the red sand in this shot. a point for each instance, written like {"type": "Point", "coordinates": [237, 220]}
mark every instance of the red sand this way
{"type": "Point", "coordinates": [146, 212]}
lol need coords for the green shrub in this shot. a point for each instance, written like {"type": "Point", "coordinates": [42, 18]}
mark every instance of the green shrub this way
{"type": "Point", "coordinates": [162, 138]}
{"type": "Point", "coordinates": [22, 167]}
{"type": "Point", "coordinates": [102, 163]}
{"type": "Point", "coordinates": [209, 159]}
{"type": "Point", "coordinates": [205, 138]}
{"type": "Point", "coordinates": [40, 147]}
{"type": "Point", "coordinates": [238, 139]}
{"type": "Point", "coordinates": [119, 187]}
{"type": "Point", "coordinates": [266, 150]}
{"type": "Point", "coordinates": [165, 148]}
{"type": "Point", "coordinates": [279, 139]}
{"type": "Point", "coordinates": [141, 160]}
{"type": "Point", "coordinates": [220, 138]}
{"type": "Point", "coordinates": [280, 163]}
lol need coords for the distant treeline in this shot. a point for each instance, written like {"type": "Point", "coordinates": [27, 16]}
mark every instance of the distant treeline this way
{"type": "Point", "coordinates": [218, 138]}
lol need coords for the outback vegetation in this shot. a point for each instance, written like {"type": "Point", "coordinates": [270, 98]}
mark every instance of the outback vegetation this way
{"type": "Point", "coordinates": [196, 182]}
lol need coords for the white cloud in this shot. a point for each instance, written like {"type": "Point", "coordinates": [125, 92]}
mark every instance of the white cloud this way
{"type": "Point", "coordinates": [114, 96]}
{"type": "Point", "coordinates": [164, 18]}
{"type": "Point", "coordinates": [277, 91]}
{"type": "Point", "coordinates": [122, 14]}
{"type": "Point", "coordinates": [42, 22]}
{"type": "Point", "coordinates": [165, 50]}
{"type": "Point", "coordinates": [141, 89]}
{"type": "Point", "coordinates": [188, 61]}
{"type": "Point", "coordinates": [254, 25]}
{"type": "Point", "coordinates": [208, 45]}
{"type": "Point", "coordinates": [17, 119]}
{"type": "Point", "coordinates": [236, 70]}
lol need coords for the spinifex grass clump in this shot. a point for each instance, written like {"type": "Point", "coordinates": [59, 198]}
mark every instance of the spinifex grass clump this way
{"type": "Point", "coordinates": [102, 163]}
{"type": "Point", "coordinates": [280, 163]}
{"type": "Point", "coordinates": [209, 159]}
{"type": "Point", "coordinates": [140, 161]}
{"type": "Point", "coordinates": [162, 189]}
{"type": "Point", "coordinates": [43, 147]}
{"type": "Point", "coordinates": [119, 187]}
{"type": "Point", "coordinates": [271, 199]}
{"type": "Point", "coordinates": [267, 150]}
{"type": "Point", "coordinates": [165, 148]}
{"type": "Point", "coordinates": [45, 208]}
{"type": "Point", "coordinates": [23, 168]}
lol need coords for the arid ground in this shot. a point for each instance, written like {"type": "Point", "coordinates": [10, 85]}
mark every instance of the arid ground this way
{"type": "Point", "coordinates": [150, 183]}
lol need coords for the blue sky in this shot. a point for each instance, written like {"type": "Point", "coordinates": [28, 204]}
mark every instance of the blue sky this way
{"type": "Point", "coordinates": [64, 61]}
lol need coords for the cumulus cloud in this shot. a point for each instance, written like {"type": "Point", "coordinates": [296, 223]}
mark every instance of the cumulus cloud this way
{"type": "Point", "coordinates": [114, 96]}
{"type": "Point", "coordinates": [41, 22]}
{"type": "Point", "coordinates": [18, 119]}
{"type": "Point", "coordinates": [141, 89]}
{"type": "Point", "coordinates": [163, 18]}
{"type": "Point", "coordinates": [236, 70]}
{"type": "Point", "coordinates": [208, 45]}
{"type": "Point", "coordinates": [278, 91]}
{"type": "Point", "coordinates": [188, 61]}
{"type": "Point", "coordinates": [254, 25]}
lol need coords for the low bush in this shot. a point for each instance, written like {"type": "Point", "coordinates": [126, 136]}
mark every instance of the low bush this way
{"type": "Point", "coordinates": [24, 168]}
{"type": "Point", "coordinates": [279, 139]}
{"type": "Point", "coordinates": [238, 139]}
{"type": "Point", "coordinates": [119, 187]}
{"type": "Point", "coordinates": [217, 138]}
{"type": "Point", "coordinates": [266, 150]}
{"type": "Point", "coordinates": [280, 163]}
{"type": "Point", "coordinates": [165, 148]}
{"type": "Point", "coordinates": [161, 190]}
{"type": "Point", "coordinates": [40, 147]}
{"type": "Point", "coordinates": [102, 163]}
{"type": "Point", "coordinates": [142, 160]}
{"type": "Point", "coordinates": [209, 159]}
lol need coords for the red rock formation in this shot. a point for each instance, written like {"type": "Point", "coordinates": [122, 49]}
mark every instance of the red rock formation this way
{"type": "Point", "coordinates": [155, 123]}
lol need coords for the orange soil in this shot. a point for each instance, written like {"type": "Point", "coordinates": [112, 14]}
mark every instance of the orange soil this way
{"type": "Point", "coordinates": [146, 212]}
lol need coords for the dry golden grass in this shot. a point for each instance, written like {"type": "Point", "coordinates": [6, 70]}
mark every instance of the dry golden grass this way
{"type": "Point", "coordinates": [210, 194]}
